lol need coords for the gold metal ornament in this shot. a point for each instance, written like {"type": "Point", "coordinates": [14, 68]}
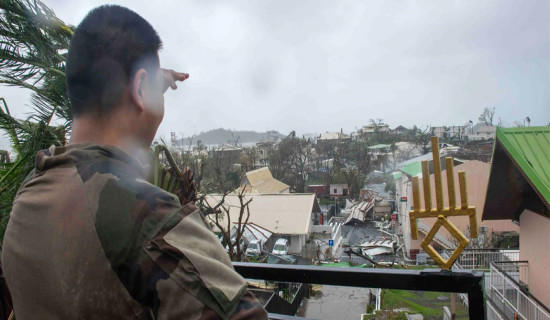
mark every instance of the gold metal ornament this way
{"type": "Point", "coordinates": [440, 212]}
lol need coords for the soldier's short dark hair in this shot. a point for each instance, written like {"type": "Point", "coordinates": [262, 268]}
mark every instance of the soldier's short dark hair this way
{"type": "Point", "coordinates": [106, 50]}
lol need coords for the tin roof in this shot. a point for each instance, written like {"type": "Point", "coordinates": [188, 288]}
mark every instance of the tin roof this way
{"type": "Point", "coordinates": [520, 173]}
{"type": "Point", "coordinates": [261, 181]}
{"type": "Point", "coordinates": [379, 146]}
{"type": "Point", "coordinates": [415, 168]}
{"type": "Point", "coordinates": [279, 213]}
{"type": "Point", "coordinates": [412, 169]}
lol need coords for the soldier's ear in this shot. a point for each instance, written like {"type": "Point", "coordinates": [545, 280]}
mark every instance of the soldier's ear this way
{"type": "Point", "coordinates": [138, 89]}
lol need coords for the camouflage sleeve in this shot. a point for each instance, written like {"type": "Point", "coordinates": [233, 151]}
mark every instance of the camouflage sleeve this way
{"type": "Point", "coordinates": [199, 267]}
{"type": "Point", "coordinates": [167, 257]}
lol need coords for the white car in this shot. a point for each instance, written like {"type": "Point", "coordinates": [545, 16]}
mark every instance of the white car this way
{"type": "Point", "coordinates": [281, 247]}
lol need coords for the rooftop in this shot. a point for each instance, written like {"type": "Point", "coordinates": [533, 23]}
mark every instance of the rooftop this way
{"type": "Point", "coordinates": [520, 173]}
{"type": "Point", "coordinates": [379, 146]}
{"type": "Point", "coordinates": [261, 181]}
{"type": "Point", "coordinates": [279, 213]}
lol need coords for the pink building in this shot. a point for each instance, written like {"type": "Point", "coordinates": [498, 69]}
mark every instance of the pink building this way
{"type": "Point", "coordinates": [477, 177]}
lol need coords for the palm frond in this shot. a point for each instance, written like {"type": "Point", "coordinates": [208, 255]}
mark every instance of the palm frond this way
{"type": "Point", "coordinates": [170, 178]}
{"type": "Point", "coordinates": [33, 46]}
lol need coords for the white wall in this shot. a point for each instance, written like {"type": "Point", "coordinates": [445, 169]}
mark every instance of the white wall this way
{"type": "Point", "coordinates": [297, 242]}
{"type": "Point", "coordinates": [339, 189]}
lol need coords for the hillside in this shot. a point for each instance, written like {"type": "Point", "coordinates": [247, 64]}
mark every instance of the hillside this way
{"type": "Point", "coordinates": [224, 136]}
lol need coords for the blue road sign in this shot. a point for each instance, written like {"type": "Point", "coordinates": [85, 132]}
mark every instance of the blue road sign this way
{"type": "Point", "coordinates": [331, 242]}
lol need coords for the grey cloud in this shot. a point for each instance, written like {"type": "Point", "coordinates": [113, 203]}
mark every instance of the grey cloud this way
{"type": "Point", "coordinates": [312, 66]}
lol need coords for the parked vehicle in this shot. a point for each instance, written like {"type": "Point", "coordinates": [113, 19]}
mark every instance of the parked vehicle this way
{"type": "Point", "coordinates": [281, 247]}
{"type": "Point", "coordinates": [255, 248]}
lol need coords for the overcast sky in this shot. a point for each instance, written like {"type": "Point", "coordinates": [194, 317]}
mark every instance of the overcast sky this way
{"type": "Point", "coordinates": [315, 66]}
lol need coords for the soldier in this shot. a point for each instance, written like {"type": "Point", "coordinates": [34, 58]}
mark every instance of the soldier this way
{"type": "Point", "coordinates": [88, 236]}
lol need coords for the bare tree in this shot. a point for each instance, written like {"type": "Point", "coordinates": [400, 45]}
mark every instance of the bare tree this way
{"type": "Point", "coordinates": [358, 165]}
{"type": "Point", "coordinates": [222, 172]}
{"type": "Point", "coordinates": [234, 139]}
{"type": "Point", "coordinates": [487, 116]}
{"type": "Point", "coordinates": [249, 158]}
{"type": "Point", "coordinates": [422, 139]}
{"type": "Point", "coordinates": [328, 160]}
{"type": "Point", "coordinates": [292, 162]}
{"type": "Point", "coordinates": [483, 240]}
{"type": "Point", "coordinates": [405, 153]}
{"type": "Point", "coordinates": [219, 215]}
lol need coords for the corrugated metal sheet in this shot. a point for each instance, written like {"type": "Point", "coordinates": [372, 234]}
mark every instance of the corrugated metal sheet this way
{"type": "Point", "coordinates": [261, 181]}
{"type": "Point", "coordinates": [412, 169]}
{"type": "Point", "coordinates": [397, 175]}
{"type": "Point", "coordinates": [254, 232]}
{"type": "Point", "coordinates": [278, 213]}
{"type": "Point", "coordinates": [379, 146]}
{"type": "Point", "coordinates": [530, 148]}
{"type": "Point", "coordinates": [415, 168]}
{"type": "Point", "coordinates": [378, 243]}
{"type": "Point", "coordinates": [377, 251]}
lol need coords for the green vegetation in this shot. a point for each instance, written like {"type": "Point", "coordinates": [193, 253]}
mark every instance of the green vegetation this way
{"type": "Point", "coordinates": [423, 302]}
{"type": "Point", "coordinates": [33, 46]}
{"type": "Point", "coordinates": [386, 315]}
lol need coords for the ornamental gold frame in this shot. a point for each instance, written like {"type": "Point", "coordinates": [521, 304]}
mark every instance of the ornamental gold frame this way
{"type": "Point", "coordinates": [440, 212]}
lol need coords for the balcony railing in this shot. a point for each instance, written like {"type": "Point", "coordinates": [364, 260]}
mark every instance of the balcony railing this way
{"type": "Point", "coordinates": [460, 281]}
{"type": "Point", "coordinates": [481, 259]}
{"type": "Point", "coordinates": [507, 296]}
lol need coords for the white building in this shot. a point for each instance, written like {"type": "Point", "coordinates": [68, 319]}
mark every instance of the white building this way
{"type": "Point", "coordinates": [338, 190]}
{"type": "Point", "coordinates": [372, 128]}
{"type": "Point", "coordinates": [334, 136]}
{"type": "Point", "coordinates": [481, 131]}
{"type": "Point", "coordinates": [447, 132]}
{"type": "Point", "coordinates": [287, 216]}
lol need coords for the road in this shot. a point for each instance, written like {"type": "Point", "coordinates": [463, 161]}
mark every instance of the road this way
{"type": "Point", "coordinates": [335, 303]}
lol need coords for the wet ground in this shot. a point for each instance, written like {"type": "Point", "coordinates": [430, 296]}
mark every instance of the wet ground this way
{"type": "Point", "coordinates": [332, 302]}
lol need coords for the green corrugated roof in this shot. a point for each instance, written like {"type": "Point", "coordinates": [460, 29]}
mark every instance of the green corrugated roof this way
{"type": "Point", "coordinates": [412, 169]}
{"type": "Point", "coordinates": [396, 175]}
{"type": "Point", "coordinates": [530, 148]}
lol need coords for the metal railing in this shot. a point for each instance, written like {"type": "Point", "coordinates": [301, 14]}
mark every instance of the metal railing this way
{"type": "Point", "coordinates": [460, 281]}
{"type": "Point", "coordinates": [481, 259]}
{"type": "Point", "coordinates": [493, 313]}
{"type": "Point", "coordinates": [516, 270]}
{"type": "Point", "coordinates": [288, 305]}
{"type": "Point", "coordinates": [507, 293]}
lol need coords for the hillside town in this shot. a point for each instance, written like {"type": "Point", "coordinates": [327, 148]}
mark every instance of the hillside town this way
{"type": "Point", "coordinates": [387, 160]}
{"type": "Point", "coordinates": [343, 199]}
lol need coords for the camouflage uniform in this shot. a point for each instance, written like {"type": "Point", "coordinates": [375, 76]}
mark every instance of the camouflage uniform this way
{"type": "Point", "coordinates": [89, 237]}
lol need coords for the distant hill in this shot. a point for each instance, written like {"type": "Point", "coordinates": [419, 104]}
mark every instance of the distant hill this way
{"type": "Point", "coordinates": [224, 136]}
